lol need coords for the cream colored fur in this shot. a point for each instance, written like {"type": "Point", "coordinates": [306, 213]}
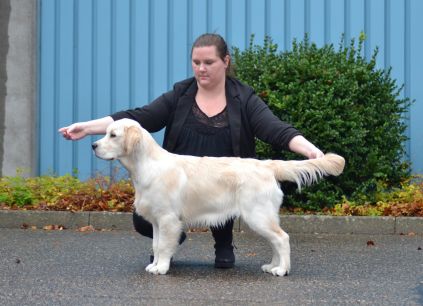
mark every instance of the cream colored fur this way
{"type": "Point", "coordinates": [175, 189]}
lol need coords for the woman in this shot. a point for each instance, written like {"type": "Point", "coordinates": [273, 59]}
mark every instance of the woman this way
{"type": "Point", "coordinates": [208, 115]}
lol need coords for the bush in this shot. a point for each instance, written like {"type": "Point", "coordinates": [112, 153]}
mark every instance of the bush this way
{"type": "Point", "coordinates": [340, 102]}
{"type": "Point", "coordinates": [65, 193]}
{"type": "Point", "coordinates": [15, 191]}
{"type": "Point", "coordinates": [407, 200]}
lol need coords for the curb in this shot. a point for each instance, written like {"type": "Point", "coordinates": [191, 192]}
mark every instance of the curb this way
{"type": "Point", "coordinates": [307, 224]}
{"type": "Point", "coordinates": [69, 220]}
{"type": "Point", "coordinates": [313, 224]}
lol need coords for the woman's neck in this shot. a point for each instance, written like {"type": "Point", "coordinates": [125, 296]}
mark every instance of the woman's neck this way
{"type": "Point", "coordinates": [211, 101]}
{"type": "Point", "coordinates": [212, 92]}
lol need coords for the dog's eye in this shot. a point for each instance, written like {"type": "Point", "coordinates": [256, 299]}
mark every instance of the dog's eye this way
{"type": "Point", "coordinates": [112, 135]}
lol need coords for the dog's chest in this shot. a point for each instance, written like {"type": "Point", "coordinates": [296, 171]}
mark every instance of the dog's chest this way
{"type": "Point", "coordinates": [143, 208]}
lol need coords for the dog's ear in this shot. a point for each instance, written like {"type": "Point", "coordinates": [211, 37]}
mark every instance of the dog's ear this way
{"type": "Point", "coordinates": [132, 138]}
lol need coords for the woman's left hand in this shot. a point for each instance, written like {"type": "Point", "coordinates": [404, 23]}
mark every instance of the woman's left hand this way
{"type": "Point", "coordinates": [315, 153]}
{"type": "Point", "coordinates": [302, 146]}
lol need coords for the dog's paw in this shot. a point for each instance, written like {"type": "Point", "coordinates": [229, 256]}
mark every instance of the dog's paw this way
{"type": "Point", "coordinates": [287, 264]}
{"type": "Point", "coordinates": [279, 271]}
{"type": "Point", "coordinates": [158, 269]}
{"type": "Point", "coordinates": [150, 266]}
{"type": "Point", "coordinates": [275, 270]}
{"type": "Point", "coordinates": [267, 268]}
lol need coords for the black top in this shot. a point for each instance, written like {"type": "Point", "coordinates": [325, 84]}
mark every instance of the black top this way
{"type": "Point", "coordinates": [205, 136]}
{"type": "Point", "coordinates": [249, 117]}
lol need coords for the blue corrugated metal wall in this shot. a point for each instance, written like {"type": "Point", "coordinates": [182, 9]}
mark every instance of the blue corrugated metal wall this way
{"type": "Point", "coordinates": [100, 56]}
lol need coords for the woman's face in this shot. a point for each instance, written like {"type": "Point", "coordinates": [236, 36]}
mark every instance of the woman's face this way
{"type": "Point", "coordinates": [209, 69]}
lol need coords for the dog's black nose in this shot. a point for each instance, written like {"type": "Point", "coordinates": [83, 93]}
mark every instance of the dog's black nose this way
{"type": "Point", "coordinates": [94, 146]}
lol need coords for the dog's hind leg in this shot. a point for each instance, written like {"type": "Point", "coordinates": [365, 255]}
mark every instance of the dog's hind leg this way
{"type": "Point", "coordinates": [169, 229]}
{"type": "Point", "coordinates": [275, 261]}
{"type": "Point", "coordinates": [268, 226]}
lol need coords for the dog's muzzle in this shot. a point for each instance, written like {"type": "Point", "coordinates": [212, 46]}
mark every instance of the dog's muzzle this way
{"type": "Point", "coordinates": [94, 146]}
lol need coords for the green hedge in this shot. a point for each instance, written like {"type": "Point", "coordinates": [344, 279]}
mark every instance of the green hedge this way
{"type": "Point", "coordinates": [342, 103]}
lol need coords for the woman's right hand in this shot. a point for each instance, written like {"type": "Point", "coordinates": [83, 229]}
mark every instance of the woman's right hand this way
{"type": "Point", "coordinates": [74, 131]}
{"type": "Point", "coordinates": [79, 130]}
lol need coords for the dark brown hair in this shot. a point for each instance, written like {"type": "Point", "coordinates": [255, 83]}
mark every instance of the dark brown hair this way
{"type": "Point", "coordinates": [208, 39]}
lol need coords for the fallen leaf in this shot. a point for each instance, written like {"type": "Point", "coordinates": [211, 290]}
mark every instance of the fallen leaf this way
{"type": "Point", "coordinates": [411, 234]}
{"type": "Point", "coordinates": [17, 260]}
{"type": "Point", "coordinates": [54, 227]}
{"type": "Point", "coordinates": [24, 226]}
{"type": "Point", "coordinates": [251, 254]}
{"type": "Point", "coordinates": [419, 249]}
{"type": "Point", "coordinates": [88, 228]}
{"type": "Point", "coordinates": [198, 230]}
{"type": "Point", "coordinates": [370, 243]}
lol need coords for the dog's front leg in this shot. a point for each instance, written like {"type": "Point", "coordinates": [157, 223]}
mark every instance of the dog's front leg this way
{"type": "Point", "coordinates": [155, 247]}
{"type": "Point", "coordinates": [165, 241]}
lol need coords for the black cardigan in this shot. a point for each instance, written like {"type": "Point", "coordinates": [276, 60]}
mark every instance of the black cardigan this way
{"type": "Point", "coordinates": [249, 117]}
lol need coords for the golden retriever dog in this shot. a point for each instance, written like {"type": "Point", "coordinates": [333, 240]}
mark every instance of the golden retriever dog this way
{"type": "Point", "coordinates": [172, 190]}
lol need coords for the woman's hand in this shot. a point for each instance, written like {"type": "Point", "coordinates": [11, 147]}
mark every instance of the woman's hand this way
{"type": "Point", "coordinates": [74, 131]}
{"type": "Point", "coordinates": [79, 130]}
{"type": "Point", "coordinates": [302, 146]}
{"type": "Point", "coordinates": [315, 153]}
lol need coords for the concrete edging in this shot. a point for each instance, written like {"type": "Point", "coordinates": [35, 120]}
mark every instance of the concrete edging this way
{"type": "Point", "coordinates": [290, 223]}
{"type": "Point", "coordinates": [70, 220]}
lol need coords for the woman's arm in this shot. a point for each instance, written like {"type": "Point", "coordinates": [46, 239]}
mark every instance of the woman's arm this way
{"type": "Point", "coordinates": [272, 130]}
{"type": "Point", "coordinates": [79, 130]}
{"type": "Point", "coordinates": [152, 117]}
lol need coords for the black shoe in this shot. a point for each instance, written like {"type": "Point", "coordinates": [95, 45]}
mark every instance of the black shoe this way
{"type": "Point", "coordinates": [225, 257]}
{"type": "Point", "coordinates": [181, 240]}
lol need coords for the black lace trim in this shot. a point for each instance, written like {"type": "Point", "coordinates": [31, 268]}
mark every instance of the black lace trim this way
{"type": "Point", "coordinates": [219, 120]}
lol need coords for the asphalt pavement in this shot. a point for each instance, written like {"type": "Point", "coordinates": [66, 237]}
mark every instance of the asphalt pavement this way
{"type": "Point", "coordinates": [42, 267]}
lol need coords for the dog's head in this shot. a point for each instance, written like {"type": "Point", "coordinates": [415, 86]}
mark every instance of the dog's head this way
{"type": "Point", "coordinates": [120, 140]}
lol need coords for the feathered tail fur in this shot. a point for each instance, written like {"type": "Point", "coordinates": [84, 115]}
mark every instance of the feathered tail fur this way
{"type": "Point", "coordinates": [305, 172]}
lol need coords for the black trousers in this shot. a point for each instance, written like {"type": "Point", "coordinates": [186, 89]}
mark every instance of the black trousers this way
{"type": "Point", "coordinates": [222, 234]}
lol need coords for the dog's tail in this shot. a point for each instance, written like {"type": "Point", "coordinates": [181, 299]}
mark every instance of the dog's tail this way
{"type": "Point", "coordinates": [306, 172]}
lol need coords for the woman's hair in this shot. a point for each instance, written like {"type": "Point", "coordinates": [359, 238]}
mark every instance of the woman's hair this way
{"type": "Point", "coordinates": [211, 39]}
{"type": "Point", "coordinates": [208, 39]}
